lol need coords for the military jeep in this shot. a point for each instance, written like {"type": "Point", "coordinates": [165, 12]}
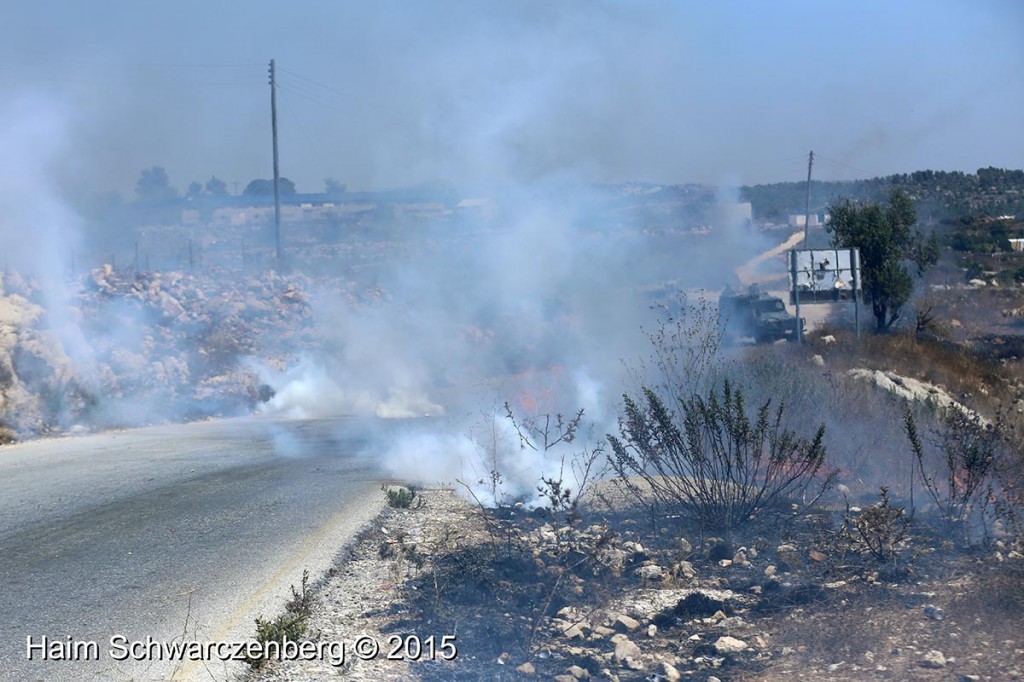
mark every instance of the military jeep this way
{"type": "Point", "coordinates": [755, 314]}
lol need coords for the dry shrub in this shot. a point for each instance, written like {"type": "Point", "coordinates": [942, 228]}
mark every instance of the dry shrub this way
{"type": "Point", "coordinates": [708, 461]}
{"type": "Point", "coordinates": [878, 531]}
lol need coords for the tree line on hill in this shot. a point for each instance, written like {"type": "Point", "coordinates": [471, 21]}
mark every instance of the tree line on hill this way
{"type": "Point", "coordinates": [939, 195]}
{"type": "Point", "coordinates": [154, 186]}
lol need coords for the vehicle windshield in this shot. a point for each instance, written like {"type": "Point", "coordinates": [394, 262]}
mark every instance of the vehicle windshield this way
{"type": "Point", "coordinates": [771, 306]}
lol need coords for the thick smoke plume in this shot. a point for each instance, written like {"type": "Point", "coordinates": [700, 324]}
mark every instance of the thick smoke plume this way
{"type": "Point", "coordinates": [543, 307]}
{"type": "Point", "coordinates": [539, 301]}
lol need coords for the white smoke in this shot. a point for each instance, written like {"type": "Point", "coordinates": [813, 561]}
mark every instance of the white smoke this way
{"type": "Point", "coordinates": [310, 391]}
{"type": "Point", "coordinates": [38, 230]}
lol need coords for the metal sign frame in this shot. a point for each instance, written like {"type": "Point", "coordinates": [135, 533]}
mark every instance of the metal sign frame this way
{"type": "Point", "coordinates": [824, 276]}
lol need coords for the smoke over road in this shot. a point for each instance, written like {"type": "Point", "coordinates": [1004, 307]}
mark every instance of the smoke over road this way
{"type": "Point", "coordinates": [540, 302]}
{"type": "Point", "coordinates": [543, 307]}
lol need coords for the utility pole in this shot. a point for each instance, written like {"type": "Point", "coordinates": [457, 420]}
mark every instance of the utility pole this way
{"type": "Point", "coordinates": [807, 214]}
{"type": "Point", "coordinates": [277, 175]}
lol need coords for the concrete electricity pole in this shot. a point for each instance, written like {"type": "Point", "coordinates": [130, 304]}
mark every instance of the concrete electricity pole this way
{"type": "Point", "coordinates": [277, 175]}
{"type": "Point", "coordinates": [807, 214]}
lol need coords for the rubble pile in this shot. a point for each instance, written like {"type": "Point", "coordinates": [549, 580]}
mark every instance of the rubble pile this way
{"type": "Point", "coordinates": [128, 348]}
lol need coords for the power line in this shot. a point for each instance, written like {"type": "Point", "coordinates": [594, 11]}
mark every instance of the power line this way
{"type": "Point", "coordinates": [867, 174]}
{"type": "Point", "coordinates": [198, 66]}
{"type": "Point", "coordinates": [310, 98]}
{"type": "Point", "coordinates": [292, 114]}
{"type": "Point", "coordinates": [314, 92]}
{"type": "Point", "coordinates": [317, 83]}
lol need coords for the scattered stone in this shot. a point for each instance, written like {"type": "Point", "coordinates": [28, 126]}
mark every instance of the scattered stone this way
{"type": "Point", "coordinates": [732, 623]}
{"type": "Point", "coordinates": [790, 555]}
{"type": "Point", "coordinates": [626, 649]}
{"type": "Point", "coordinates": [684, 571]}
{"type": "Point", "coordinates": [770, 571]}
{"type": "Point", "coordinates": [740, 557]}
{"type": "Point", "coordinates": [633, 548]}
{"type": "Point", "coordinates": [652, 630]}
{"type": "Point", "coordinates": [725, 563]}
{"type": "Point", "coordinates": [670, 673]}
{"type": "Point", "coordinates": [815, 555]}
{"type": "Point", "coordinates": [526, 669]}
{"type": "Point", "coordinates": [684, 546]}
{"type": "Point", "coordinates": [573, 632]}
{"type": "Point", "coordinates": [933, 659]}
{"type": "Point", "coordinates": [818, 360]}
{"type": "Point", "coordinates": [612, 558]}
{"type": "Point", "coordinates": [624, 623]}
{"type": "Point", "coordinates": [731, 645]}
{"type": "Point", "coordinates": [578, 673]}
{"type": "Point", "coordinates": [649, 573]}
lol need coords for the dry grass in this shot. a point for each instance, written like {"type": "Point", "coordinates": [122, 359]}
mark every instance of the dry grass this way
{"type": "Point", "coordinates": [954, 367]}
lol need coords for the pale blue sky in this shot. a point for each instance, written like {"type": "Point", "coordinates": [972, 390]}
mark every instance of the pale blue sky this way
{"type": "Point", "coordinates": [383, 94]}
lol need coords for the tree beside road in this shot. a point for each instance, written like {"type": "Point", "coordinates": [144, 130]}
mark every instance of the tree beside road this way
{"type": "Point", "coordinates": [889, 242]}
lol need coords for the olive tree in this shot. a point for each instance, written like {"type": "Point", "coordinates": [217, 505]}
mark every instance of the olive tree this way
{"type": "Point", "coordinates": [889, 240]}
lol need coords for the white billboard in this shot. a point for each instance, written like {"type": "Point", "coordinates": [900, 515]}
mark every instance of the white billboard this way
{"type": "Point", "coordinates": [824, 275]}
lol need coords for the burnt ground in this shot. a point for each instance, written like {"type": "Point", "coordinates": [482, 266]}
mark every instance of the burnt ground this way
{"type": "Point", "coordinates": [606, 596]}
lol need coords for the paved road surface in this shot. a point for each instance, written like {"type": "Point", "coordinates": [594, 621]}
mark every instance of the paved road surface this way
{"type": "Point", "coordinates": [156, 532]}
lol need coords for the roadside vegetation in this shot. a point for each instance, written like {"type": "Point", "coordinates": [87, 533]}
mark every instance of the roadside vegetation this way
{"type": "Point", "coordinates": [728, 536]}
{"type": "Point", "coordinates": [844, 509]}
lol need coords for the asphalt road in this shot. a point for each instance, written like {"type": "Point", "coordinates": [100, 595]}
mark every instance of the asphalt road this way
{"type": "Point", "coordinates": [172, 533]}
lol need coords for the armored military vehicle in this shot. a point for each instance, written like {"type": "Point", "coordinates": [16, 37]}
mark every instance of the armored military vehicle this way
{"type": "Point", "coordinates": [755, 314]}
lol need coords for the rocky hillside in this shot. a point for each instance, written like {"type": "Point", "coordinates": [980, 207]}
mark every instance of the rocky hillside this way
{"type": "Point", "coordinates": [131, 348]}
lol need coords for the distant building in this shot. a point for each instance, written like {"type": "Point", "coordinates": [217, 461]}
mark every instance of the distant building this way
{"type": "Point", "coordinates": [734, 213]}
{"type": "Point", "coordinates": [1017, 244]}
{"type": "Point", "coordinates": [799, 220]}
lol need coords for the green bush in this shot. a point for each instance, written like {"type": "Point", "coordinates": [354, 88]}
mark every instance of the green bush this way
{"type": "Point", "coordinates": [402, 498]}
{"type": "Point", "coordinates": [290, 625]}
